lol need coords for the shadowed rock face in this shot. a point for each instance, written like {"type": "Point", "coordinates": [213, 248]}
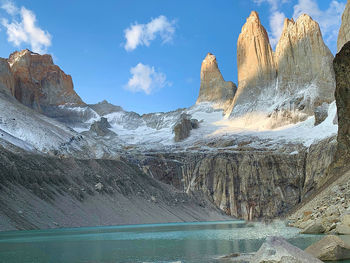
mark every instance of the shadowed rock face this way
{"type": "Point", "coordinates": [342, 95]}
{"type": "Point", "coordinates": [7, 81]}
{"type": "Point", "coordinates": [40, 83]}
{"type": "Point", "coordinates": [344, 32]}
{"type": "Point", "coordinates": [213, 86]}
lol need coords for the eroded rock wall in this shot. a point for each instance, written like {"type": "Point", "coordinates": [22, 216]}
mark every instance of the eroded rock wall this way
{"type": "Point", "coordinates": [246, 185]}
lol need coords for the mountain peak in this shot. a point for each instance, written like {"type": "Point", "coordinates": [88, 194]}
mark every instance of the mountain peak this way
{"type": "Point", "coordinates": [213, 87]}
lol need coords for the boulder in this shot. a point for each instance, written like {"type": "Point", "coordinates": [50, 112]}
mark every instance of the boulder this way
{"type": "Point", "coordinates": [278, 250]}
{"type": "Point", "coordinates": [315, 227]}
{"type": "Point", "coordinates": [330, 248]}
{"type": "Point", "coordinates": [321, 113]}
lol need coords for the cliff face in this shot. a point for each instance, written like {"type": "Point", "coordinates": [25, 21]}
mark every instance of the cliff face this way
{"type": "Point", "coordinates": [39, 83]}
{"type": "Point", "coordinates": [342, 95]}
{"type": "Point", "coordinates": [248, 184]}
{"type": "Point", "coordinates": [304, 62]}
{"type": "Point", "coordinates": [213, 86]}
{"type": "Point", "coordinates": [7, 81]}
{"type": "Point", "coordinates": [289, 83]}
{"type": "Point", "coordinates": [344, 32]}
{"type": "Point", "coordinates": [255, 61]}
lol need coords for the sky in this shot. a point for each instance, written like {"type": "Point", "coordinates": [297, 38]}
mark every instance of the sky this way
{"type": "Point", "coordinates": [146, 55]}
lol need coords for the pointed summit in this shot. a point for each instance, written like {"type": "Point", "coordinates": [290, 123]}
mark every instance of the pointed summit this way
{"type": "Point", "coordinates": [213, 86]}
{"type": "Point", "coordinates": [344, 32]}
{"type": "Point", "coordinates": [256, 67]}
{"type": "Point", "coordinates": [303, 60]}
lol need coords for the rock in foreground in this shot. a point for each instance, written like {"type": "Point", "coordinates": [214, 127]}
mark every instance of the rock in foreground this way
{"type": "Point", "coordinates": [330, 248]}
{"type": "Point", "coordinates": [278, 250]}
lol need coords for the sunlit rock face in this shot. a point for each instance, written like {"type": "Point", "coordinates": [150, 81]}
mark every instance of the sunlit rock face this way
{"type": "Point", "coordinates": [213, 86]}
{"type": "Point", "coordinates": [286, 85]}
{"type": "Point", "coordinates": [344, 32]}
{"type": "Point", "coordinates": [39, 82]}
{"type": "Point", "coordinates": [304, 65]}
{"type": "Point", "coordinates": [255, 62]}
{"type": "Point", "coordinates": [7, 81]}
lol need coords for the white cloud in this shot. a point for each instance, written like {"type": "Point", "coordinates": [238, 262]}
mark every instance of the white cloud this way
{"type": "Point", "coordinates": [22, 28]}
{"type": "Point", "coordinates": [143, 34]}
{"type": "Point", "coordinates": [329, 19]}
{"type": "Point", "coordinates": [276, 27]}
{"type": "Point", "coordinates": [9, 7]}
{"type": "Point", "coordinates": [146, 79]}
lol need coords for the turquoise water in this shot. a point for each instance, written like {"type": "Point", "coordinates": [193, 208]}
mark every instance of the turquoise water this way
{"type": "Point", "coordinates": [178, 242]}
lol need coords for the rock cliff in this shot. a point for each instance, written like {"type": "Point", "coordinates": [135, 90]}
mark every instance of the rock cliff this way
{"type": "Point", "coordinates": [256, 65]}
{"type": "Point", "coordinates": [342, 95]}
{"type": "Point", "coordinates": [304, 65]}
{"type": "Point", "coordinates": [288, 83]}
{"type": "Point", "coordinates": [213, 86]}
{"type": "Point", "coordinates": [245, 184]}
{"type": "Point", "coordinates": [344, 32]}
{"type": "Point", "coordinates": [7, 81]}
{"type": "Point", "coordinates": [39, 83]}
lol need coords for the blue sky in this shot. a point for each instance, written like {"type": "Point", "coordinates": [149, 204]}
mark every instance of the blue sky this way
{"type": "Point", "coordinates": [146, 55]}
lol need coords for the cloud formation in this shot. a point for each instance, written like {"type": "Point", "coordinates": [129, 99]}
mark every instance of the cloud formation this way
{"type": "Point", "coordinates": [22, 28]}
{"type": "Point", "coordinates": [142, 34]}
{"type": "Point", "coordinates": [145, 79]}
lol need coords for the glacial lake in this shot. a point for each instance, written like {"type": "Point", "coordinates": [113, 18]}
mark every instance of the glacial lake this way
{"type": "Point", "coordinates": [174, 242]}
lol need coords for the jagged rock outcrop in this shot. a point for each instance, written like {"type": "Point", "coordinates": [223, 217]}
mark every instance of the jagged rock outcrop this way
{"type": "Point", "coordinates": [101, 127]}
{"type": "Point", "coordinates": [304, 65]}
{"type": "Point", "coordinates": [7, 81]}
{"type": "Point", "coordinates": [39, 83]}
{"type": "Point", "coordinates": [255, 62]}
{"type": "Point", "coordinates": [286, 85]}
{"type": "Point", "coordinates": [183, 127]}
{"type": "Point", "coordinates": [213, 86]}
{"type": "Point", "coordinates": [344, 31]}
{"type": "Point", "coordinates": [342, 95]}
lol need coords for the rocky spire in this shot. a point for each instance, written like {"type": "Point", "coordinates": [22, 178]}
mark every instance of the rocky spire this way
{"type": "Point", "coordinates": [303, 60]}
{"type": "Point", "coordinates": [255, 61]}
{"type": "Point", "coordinates": [344, 32]}
{"type": "Point", "coordinates": [290, 82]}
{"type": "Point", "coordinates": [213, 86]}
{"type": "Point", "coordinates": [39, 82]}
